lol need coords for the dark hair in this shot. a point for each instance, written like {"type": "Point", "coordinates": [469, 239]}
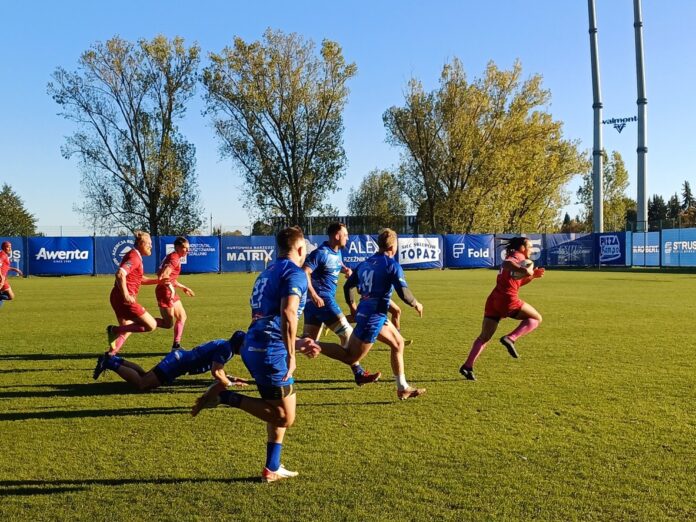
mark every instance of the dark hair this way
{"type": "Point", "coordinates": [286, 239]}
{"type": "Point", "coordinates": [333, 228]}
{"type": "Point", "coordinates": [237, 340]}
{"type": "Point", "coordinates": [180, 241]}
{"type": "Point", "coordinates": [5, 243]}
{"type": "Point", "coordinates": [513, 244]}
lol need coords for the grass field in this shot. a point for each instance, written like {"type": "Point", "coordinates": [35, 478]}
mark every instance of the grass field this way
{"type": "Point", "coordinates": [595, 421]}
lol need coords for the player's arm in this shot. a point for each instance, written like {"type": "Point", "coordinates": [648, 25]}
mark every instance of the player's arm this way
{"type": "Point", "coordinates": [537, 273]}
{"type": "Point", "coordinates": [516, 268]}
{"type": "Point", "coordinates": [149, 281]}
{"type": "Point", "coordinates": [186, 289]}
{"type": "Point", "coordinates": [403, 291]}
{"type": "Point", "coordinates": [218, 372]}
{"type": "Point", "coordinates": [121, 285]}
{"type": "Point", "coordinates": [395, 312]}
{"type": "Point", "coordinates": [345, 270]}
{"type": "Point", "coordinates": [288, 327]}
{"type": "Point", "coordinates": [349, 292]}
{"type": "Point", "coordinates": [16, 271]}
{"type": "Point", "coordinates": [310, 289]}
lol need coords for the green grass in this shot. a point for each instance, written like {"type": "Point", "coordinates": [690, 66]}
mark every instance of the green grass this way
{"type": "Point", "coordinates": [596, 421]}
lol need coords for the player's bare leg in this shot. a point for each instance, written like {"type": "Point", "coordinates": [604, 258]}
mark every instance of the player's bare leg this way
{"type": "Point", "coordinates": [390, 336]}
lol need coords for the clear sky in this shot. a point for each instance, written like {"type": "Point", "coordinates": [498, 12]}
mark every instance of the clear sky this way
{"type": "Point", "coordinates": [390, 41]}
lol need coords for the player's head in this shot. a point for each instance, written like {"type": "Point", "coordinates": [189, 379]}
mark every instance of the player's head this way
{"type": "Point", "coordinates": [143, 242]}
{"type": "Point", "coordinates": [181, 245]}
{"type": "Point", "coordinates": [291, 241]}
{"type": "Point", "coordinates": [237, 340]}
{"type": "Point", "coordinates": [338, 234]}
{"type": "Point", "coordinates": [518, 244]}
{"type": "Point", "coordinates": [6, 247]}
{"type": "Point", "coordinates": [386, 241]}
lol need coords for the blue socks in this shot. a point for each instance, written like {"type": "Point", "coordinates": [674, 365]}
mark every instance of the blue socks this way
{"type": "Point", "coordinates": [273, 450]}
{"type": "Point", "coordinates": [113, 363]}
{"type": "Point", "coordinates": [232, 399]}
{"type": "Point", "coordinates": [357, 369]}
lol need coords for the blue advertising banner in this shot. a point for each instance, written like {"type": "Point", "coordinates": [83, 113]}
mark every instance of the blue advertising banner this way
{"type": "Point", "coordinates": [536, 255]}
{"type": "Point", "coordinates": [203, 255]}
{"type": "Point", "coordinates": [569, 249]}
{"type": "Point", "coordinates": [61, 255]}
{"type": "Point", "coordinates": [420, 252]}
{"type": "Point", "coordinates": [645, 248]}
{"type": "Point", "coordinates": [611, 248]}
{"type": "Point", "coordinates": [18, 256]}
{"type": "Point", "coordinates": [468, 251]}
{"type": "Point", "coordinates": [110, 250]}
{"type": "Point", "coordinates": [247, 253]}
{"type": "Point", "coordinates": [358, 249]}
{"type": "Point", "coordinates": [679, 247]}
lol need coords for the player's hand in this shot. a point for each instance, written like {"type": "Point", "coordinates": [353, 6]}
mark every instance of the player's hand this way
{"type": "Point", "coordinates": [317, 300]}
{"type": "Point", "coordinates": [350, 317]}
{"type": "Point", "coordinates": [292, 366]}
{"type": "Point", "coordinates": [237, 381]}
{"type": "Point", "coordinates": [309, 347]}
{"type": "Point", "coordinates": [538, 272]}
{"type": "Point", "coordinates": [188, 291]}
{"type": "Point", "coordinates": [419, 309]}
{"type": "Point", "coordinates": [348, 272]}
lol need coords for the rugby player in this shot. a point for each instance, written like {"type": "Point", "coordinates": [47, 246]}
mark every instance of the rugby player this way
{"type": "Point", "coordinates": [375, 279]}
{"type": "Point", "coordinates": [503, 302]}
{"type": "Point", "coordinates": [322, 267]}
{"type": "Point", "coordinates": [268, 352]}
{"type": "Point", "coordinates": [131, 315]}
{"type": "Point", "coordinates": [170, 305]}
{"type": "Point", "coordinates": [6, 293]}
{"type": "Point", "coordinates": [211, 356]}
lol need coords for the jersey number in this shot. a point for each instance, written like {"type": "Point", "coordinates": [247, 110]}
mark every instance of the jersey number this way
{"type": "Point", "coordinates": [257, 294]}
{"type": "Point", "coordinates": [366, 281]}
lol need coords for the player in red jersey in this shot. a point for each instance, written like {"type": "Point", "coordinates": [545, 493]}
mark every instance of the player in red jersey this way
{"type": "Point", "coordinates": [6, 293]}
{"type": "Point", "coordinates": [171, 308]}
{"type": "Point", "coordinates": [131, 315]}
{"type": "Point", "coordinates": [503, 301]}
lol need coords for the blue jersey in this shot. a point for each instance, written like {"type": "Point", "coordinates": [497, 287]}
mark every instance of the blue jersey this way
{"type": "Point", "coordinates": [326, 264]}
{"type": "Point", "coordinates": [375, 278]}
{"type": "Point", "coordinates": [202, 357]}
{"type": "Point", "coordinates": [280, 280]}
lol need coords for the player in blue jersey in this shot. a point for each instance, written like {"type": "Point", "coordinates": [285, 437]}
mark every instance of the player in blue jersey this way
{"type": "Point", "coordinates": [322, 267]}
{"type": "Point", "coordinates": [277, 301]}
{"type": "Point", "coordinates": [375, 278]}
{"type": "Point", "coordinates": [207, 357]}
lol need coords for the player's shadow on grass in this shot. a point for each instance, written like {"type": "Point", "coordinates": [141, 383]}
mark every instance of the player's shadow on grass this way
{"type": "Point", "coordinates": [50, 487]}
{"type": "Point", "coordinates": [67, 356]}
{"type": "Point", "coordinates": [105, 412]}
{"type": "Point", "coordinates": [97, 389]}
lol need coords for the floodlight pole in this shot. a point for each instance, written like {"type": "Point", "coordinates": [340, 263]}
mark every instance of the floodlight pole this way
{"type": "Point", "coordinates": [597, 174]}
{"type": "Point", "coordinates": [642, 102]}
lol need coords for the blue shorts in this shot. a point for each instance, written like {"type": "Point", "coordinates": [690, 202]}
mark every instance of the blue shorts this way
{"type": "Point", "coordinates": [169, 368]}
{"type": "Point", "coordinates": [328, 314]}
{"type": "Point", "coordinates": [267, 363]}
{"type": "Point", "coordinates": [367, 327]}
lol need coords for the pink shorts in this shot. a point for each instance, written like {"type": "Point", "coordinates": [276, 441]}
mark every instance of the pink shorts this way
{"type": "Point", "coordinates": [499, 306]}
{"type": "Point", "coordinates": [125, 310]}
{"type": "Point", "coordinates": [166, 297]}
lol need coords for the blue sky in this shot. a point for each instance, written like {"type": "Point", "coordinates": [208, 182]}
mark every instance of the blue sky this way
{"type": "Point", "coordinates": [390, 41]}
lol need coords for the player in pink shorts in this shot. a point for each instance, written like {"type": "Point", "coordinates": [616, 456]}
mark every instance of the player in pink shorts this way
{"type": "Point", "coordinates": [6, 293]}
{"type": "Point", "coordinates": [131, 315]}
{"type": "Point", "coordinates": [503, 301]}
{"type": "Point", "coordinates": [171, 308]}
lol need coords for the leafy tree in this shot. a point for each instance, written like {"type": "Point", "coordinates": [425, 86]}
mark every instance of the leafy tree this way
{"type": "Point", "coordinates": [572, 225]}
{"type": "Point", "coordinates": [126, 99]}
{"type": "Point", "coordinates": [15, 219]}
{"type": "Point", "coordinates": [657, 211]}
{"type": "Point", "coordinates": [262, 229]}
{"type": "Point", "coordinates": [673, 208]}
{"type": "Point", "coordinates": [688, 200]}
{"type": "Point", "coordinates": [277, 108]}
{"type": "Point", "coordinates": [482, 155]}
{"type": "Point", "coordinates": [616, 203]}
{"type": "Point", "coordinates": [380, 196]}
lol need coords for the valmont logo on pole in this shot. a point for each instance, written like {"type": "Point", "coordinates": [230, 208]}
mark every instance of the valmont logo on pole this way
{"type": "Point", "coordinates": [620, 123]}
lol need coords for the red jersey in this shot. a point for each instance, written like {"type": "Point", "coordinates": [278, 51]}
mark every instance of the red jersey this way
{"type": "Point", "coordinates": [505, 283]}
{"type": "Point", "coordinates": [4, 263]}
{"type": "Point", "coordinates": [172, 260]}
{"type": "Point", "coordinates": [132, 265]}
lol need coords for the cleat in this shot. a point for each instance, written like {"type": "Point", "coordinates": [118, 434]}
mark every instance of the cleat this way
{"type": "Point", "coordinates": [408, 342]}
{"type": "Point", "coordinates": [175, 346]}
{"type": "Point", "coordinates": [510, 345]}
{"type": "Point", "coordinates": [281, 473]}
{"type": "Point", "coordinates": [100, 367]}
{"type": "Point", "coordinates": [468, 373]}
{"type": "Point", "coordinates": [367, 378]}
{"type": "Point", "coordinates": [210, 399]}
{"type": "Point", "coordinates": [111, 336]}
{"type": "Point", "coordinates": [410, 393]}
